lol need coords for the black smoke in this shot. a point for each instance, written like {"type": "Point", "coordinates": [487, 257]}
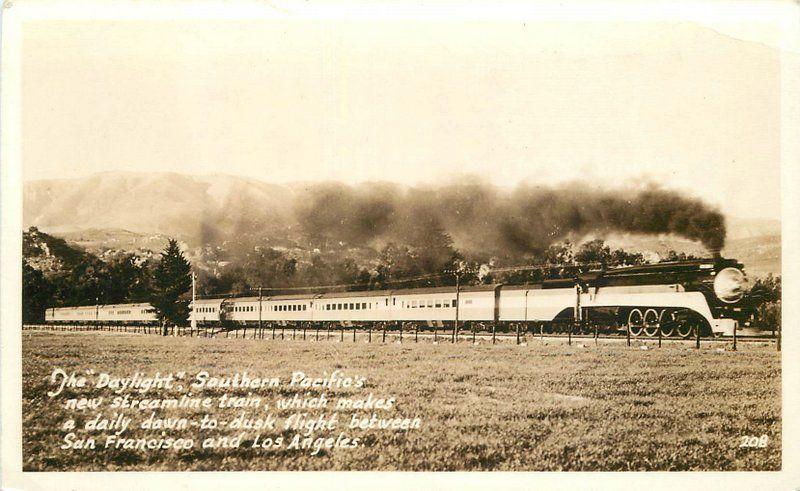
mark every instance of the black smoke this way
{"type": "Point", "coordinates": [486, 219]}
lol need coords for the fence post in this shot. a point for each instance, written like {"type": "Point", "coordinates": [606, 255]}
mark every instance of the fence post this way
{"type": "Point", "coordinates": [416, 333]}
{"type": "Point", "coordinates": [304, 331]}
{"type": "Point", "coordinates": [494, 332]}
{"type": "Point", "coordinates": [780, 330]}
{"type": "Point", "coordinates": [369, 332]}
{"type": "Point", "coordinates": [384, 332]}
{"type": "Point", "coordinates": [569, 334]}
{"type": "Point", "coordinates": [341, 333]}
{"type": "Point", "coordinates": [697, 336]}
{"type": "Point", "coordinates": [628, 333]}
{"type": "Point", "coordinates": [401, 331]}
{"type": "Point", "coordinates": [517, 333]}
{"type": "Point", "coordinates": [659, 335]}
{"type": "Point", "coordinates": [354, 333]}
{"type": "Point", "coordinates": [734, 337]}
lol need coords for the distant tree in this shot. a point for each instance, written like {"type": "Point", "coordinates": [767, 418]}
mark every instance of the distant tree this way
{"type": "Point", "coordinates": [594, 251]}
{"type": "Point", "coordinates": [767, 289]}
{"type": "Point", "coordinates": [171, 280]}
{"type": "Point", "coordinates": [677, 256]}
{"type": "Point", "coordinates": [620, 257]}
{"type": "Point", "coordinates": [766, 298]}
{"type": "Point", "coordinates": [37, 293]}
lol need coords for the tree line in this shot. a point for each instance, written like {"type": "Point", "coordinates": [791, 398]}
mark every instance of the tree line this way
{"type": "Point", "coordinates": [77, 278]}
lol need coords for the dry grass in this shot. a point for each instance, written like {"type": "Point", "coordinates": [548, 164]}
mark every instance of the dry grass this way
{"type": "Point", "coordinates": [504, 407]}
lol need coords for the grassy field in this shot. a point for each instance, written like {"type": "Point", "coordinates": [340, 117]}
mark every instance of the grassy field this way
{"type": "Point", "coordinates": [541, 406]}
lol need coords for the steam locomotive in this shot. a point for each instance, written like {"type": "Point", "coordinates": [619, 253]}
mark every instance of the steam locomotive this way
{"type": "Point", "coordinates": [682, 298]}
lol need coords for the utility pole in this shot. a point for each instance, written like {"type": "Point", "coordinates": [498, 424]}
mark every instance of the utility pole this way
{"type": "Point", "coordinates": [259, 309]}
{"type": "Point", "coordinates": [194, 305]}
{"type": "Point", "coordinates": [96, 313]}
{"type": "Point", "coordinates": [458, 300]}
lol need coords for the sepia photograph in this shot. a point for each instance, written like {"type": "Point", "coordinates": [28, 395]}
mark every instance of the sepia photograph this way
{"type": "Point", "coordinates": [417, 237]}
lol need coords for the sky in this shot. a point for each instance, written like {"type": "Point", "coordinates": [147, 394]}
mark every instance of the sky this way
{"type": "Point", "coordinates": [679, 104]}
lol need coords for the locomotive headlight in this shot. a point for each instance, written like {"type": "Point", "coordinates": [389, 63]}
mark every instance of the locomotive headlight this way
{"type": "Point", "coordinates": [730, 285]}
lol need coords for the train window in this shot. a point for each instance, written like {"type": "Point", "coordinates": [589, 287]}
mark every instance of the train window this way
{"type": "Point", "coordinates": [327, 306]}
{"type": "Point", "coordinates": [438, 304]}
{"type": "Point", "coordinates": [387, 302]}
{"type": "Point", "coordinates": [351, 306]}
{"type": "Point", "coordinates": [413, 304]}
{"type": "Point", "coordinates": [430, 303]}
{"type": "Point", "coordinates": [468, 302]}
{"type": "Point", "coordinates": [455, 303]}
{"type": "Point", "coordinates": [363, 305]}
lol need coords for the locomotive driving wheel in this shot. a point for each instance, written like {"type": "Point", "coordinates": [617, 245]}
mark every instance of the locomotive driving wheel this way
{"type": "Point", "coordinates": [685, 327]}
{"type": "Point", "coordinates": [635, 322]}
{"type": "Point", "coordinates": [668, 322]}
{"type": "Point", "coordinates": [651, 323]}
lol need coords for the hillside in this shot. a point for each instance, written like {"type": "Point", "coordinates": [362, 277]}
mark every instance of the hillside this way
{"type": "Point", "coordinates": [189, 207]}
{"type": "Point", "coordinates": [49, 254]}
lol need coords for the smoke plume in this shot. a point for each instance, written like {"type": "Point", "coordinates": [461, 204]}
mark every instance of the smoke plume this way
{"type": "Point", "coordinates": [486, 219]}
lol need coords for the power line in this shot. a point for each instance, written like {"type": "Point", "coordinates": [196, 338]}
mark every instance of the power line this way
{"type": "Point", "coordinates": [408, 280]}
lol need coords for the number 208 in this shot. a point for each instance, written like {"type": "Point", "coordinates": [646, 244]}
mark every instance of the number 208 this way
{"type": "Point", "coordinates": [754, 441]}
